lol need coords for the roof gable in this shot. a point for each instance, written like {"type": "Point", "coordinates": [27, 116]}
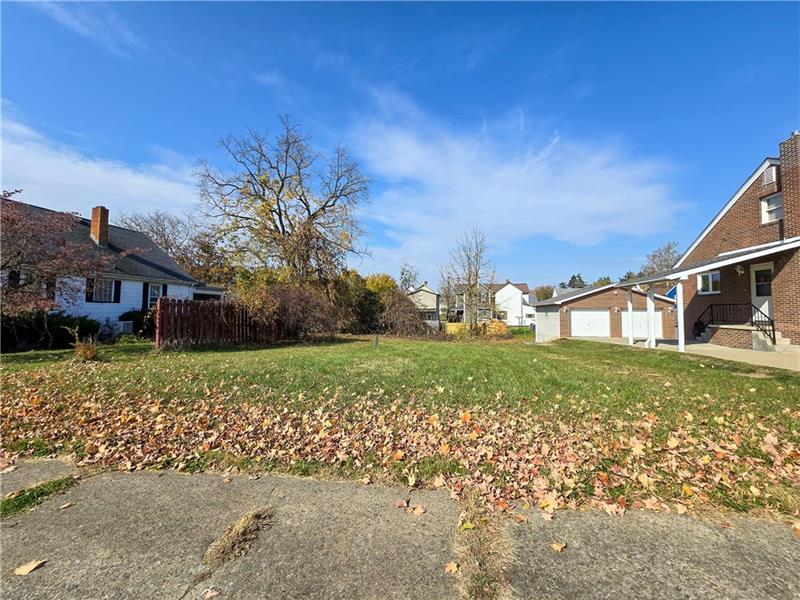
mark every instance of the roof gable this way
{"type": "Point", "coordinates": [769, 162]}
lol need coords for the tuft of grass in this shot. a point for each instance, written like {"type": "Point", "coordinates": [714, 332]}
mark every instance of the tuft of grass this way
{"type": "Point", "coordinates": [237, 538]}
{"type": "Point", "coordinates": [37, 447]}
{"type": "Point", "coordinates": [30, 497]}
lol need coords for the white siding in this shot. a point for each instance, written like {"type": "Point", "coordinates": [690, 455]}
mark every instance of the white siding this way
{"type": "Point", "coordinates": [548, 323]}
{"type": "Point", "coordinates": [130, 298]}
{"type": "Point", "coordinates": [509, 300]}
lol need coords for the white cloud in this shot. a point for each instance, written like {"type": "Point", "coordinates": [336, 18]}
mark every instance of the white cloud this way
{"type": "Point", "coordinates": [442, 181]}
{"type": "Point", "coordinates": [97, 22]}
{"type": "Point", "coordinates": [60, 177]}
{"type": "Point", "coordinates": [273, 79]}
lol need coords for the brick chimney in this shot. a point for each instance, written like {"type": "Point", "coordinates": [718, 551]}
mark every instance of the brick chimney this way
{"type": "Point", "coordinates": [790, 184]}
{"type": "Point", "coordinates": [99, 231]}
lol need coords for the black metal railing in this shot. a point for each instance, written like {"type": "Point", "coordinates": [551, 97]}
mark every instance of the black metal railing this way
{"type": "Point", "coordinates": [738, 314]}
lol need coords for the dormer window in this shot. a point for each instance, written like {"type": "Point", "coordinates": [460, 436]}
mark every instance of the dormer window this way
{"type": "Point", "coordinates": [772, 208]}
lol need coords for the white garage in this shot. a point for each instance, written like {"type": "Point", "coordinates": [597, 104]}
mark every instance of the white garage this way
{"type": "Point", "coordinates": [640, 325]}
{"type": "Point", "coordinates": [590, 322]}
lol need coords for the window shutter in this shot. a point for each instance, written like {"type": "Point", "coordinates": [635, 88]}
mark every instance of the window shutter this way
{"type": "Point", "coordinates": [89, 289]}
{"type": "Point", "coordinates": [117, 291]}
{"type": "Point", "coordinates": [163, 289]}
{"type": "Point", "coordinates": [145, 294]}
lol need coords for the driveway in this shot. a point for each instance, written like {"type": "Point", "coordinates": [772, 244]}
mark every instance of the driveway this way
{"type": "Point", "coordinates": [144, 535]}
{"type": "Point", "coordinates": [776, 360]}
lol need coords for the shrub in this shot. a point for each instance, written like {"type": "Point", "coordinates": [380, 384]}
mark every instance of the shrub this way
{"type": "Point", "coordinates": [126, 339]}
{"type": "Point", "coordinates": [143, 324]}
{"type": "Point", "coordinates": [401, 316]}
{"type": "Point", "coordinates": [86, 350]}
{"type": "Point", "coordinates": [294, 311]}
{"type": "Point", "coordinates": [39, 331]}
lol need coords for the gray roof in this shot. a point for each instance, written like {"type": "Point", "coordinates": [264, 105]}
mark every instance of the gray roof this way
{"type": "Point", "coordinates": [145, 261]}
{"type": "Point", "coordinates": [572, 294]}
{"type": "Point", "coordinates": [560, 291]}
{"type": "Point", "coordinates": [711, 262]}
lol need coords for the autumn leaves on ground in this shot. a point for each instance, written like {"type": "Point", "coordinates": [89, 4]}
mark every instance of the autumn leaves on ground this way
{"type": "Point", "coordinates": [562, 426]}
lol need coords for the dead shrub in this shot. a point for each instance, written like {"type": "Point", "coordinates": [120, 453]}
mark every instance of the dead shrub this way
{"type": "Point", "coordinates": [401, 316]}
{"type": "Point", "coordinates": [295, 312]}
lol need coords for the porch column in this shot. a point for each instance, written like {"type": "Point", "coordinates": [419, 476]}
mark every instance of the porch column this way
{"type": "Point", "coordinates": [679, 316]}
{"type": "Point", "coordinates": [629, 316]}
{"type": "Point", "coordinates": [651, 318]}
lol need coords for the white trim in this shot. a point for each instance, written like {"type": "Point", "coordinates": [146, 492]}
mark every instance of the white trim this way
{"type": "Point", "coordinates": [769, 162]}
{"type": "Point", "coordinates": [767, 245]}
{"type": "Point", "coordinates": [711, 292]}
{"type": "Point", "coordinates": [765, 211]}
{"type": "Point", "coordinates": [724, 262]}
{"type": "Point", "coordinates": [679, 308]}
{"type": "Point", "coordinates": [581, 295]}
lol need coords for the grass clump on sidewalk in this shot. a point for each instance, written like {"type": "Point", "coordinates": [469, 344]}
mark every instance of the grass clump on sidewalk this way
{"type": "Point", "coordinates": [30, 497]}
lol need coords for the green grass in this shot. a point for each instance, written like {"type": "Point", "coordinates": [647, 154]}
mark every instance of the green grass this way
{"type": "Point", "coordinates": [31, 497]}
{"type": "Point", "coordinates": [490, 374]}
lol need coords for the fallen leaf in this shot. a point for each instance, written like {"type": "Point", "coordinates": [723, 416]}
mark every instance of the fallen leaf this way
{"type": "Point", "coordinates": [398, 455]}
{"type": "Point", "coordinates": [402, 503]}
{"type": "Point", "coordinates": [451, 568]}
{"type": "Point", "coordinates": [9, 468]}
{"type": "Point", "coordinates": [547, 516]}
{"type": "Point", "coordinates": [366, 480]}
{"type": "Point", "coordinates": [557, 546]}
{"type": "Point", "coordinates": [210, 593]}
{"type": "Point", "coordinates": [520, 518]}
{"type": "Point", "coordinates": [418, 510]}
{"type": "Point", "coordinates": [467, 525]}
{"type": "Point", "coordinates": [439, 481]}
{"type": "Point", "coordinates": [796, 528]}
{"type": "Point", "coordinates": [66, 505]}
{"type": "Point", "coordinates": [29, 567]}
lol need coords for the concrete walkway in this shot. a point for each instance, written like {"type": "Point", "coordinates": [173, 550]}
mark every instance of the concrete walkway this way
{"type": "Point", "coordinates": [144, 535]}
{"type": "Point", "coordinates": [776, 360]}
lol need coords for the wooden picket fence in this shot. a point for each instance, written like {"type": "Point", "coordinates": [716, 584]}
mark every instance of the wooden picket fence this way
{"type": "Point", "coordinates": [207, 322]}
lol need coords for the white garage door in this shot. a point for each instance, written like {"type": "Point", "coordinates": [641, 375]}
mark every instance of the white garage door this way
{"type": "Point", "coordinates": [640, 324]}
{"type": "Point", "coordinates": [590, 323]}
{"type": "Point", "coordinates": [548, 323]}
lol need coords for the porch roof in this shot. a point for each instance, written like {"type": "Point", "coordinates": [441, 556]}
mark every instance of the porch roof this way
{"type": "Point", "coordinates": [722, 260]}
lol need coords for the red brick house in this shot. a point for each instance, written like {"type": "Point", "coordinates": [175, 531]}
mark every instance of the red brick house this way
{"type": "Point", "coordinates": [738, 284]}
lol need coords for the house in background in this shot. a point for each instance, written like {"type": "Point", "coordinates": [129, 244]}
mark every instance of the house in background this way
{"type": "Point", "coordinates": [738, 284]}
{"type": "Point", "coordinates": [138, 275]}
{"type": "Point", "coordinates": [483, 305]}
{"type": "Point", "coordinates": [512, 303]}
{"type": "Point", "coordinates": [428, 303]}
{"type": "Point", "coordinates": [601, 312]}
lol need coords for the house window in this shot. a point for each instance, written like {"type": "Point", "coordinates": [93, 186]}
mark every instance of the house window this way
{"type": "Point", "coordinates": [154, 294]}
{"type": "Point", "coordinates": [103, 290]}
{"type": "Point", "coordinates": [708, 283]}
{"type": "Point", "coordinates": [483, 296]}
{"type": "Point", "coordinates": [772, 208]}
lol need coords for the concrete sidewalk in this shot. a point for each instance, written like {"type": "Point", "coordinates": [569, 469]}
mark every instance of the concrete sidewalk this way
{"type": "Point", "coordinates": [776, 360]}
{"type": "Point", "coordinates": [144, 535]}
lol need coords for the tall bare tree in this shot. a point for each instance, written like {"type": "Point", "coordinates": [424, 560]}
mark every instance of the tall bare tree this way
{"type": "Point", "coordinates": [470, 266]}
{"type": "Point", "coordinates": [661, 259]}
{"type": "Point", "coordinates": [409, 276]}
{"type": "Point", "coordinates": [280, 204]}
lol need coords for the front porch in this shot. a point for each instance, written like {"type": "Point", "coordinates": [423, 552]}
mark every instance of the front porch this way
{"type": "Point", "coordinates": [776, 360]}
{"type": "Point", "coordinates": [741, 300]}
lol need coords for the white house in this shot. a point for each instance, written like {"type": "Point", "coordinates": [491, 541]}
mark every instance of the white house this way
{"type": "Point", "coordinates": [138, 275]}
{"type": "Point", "coordinates": [512, 303]}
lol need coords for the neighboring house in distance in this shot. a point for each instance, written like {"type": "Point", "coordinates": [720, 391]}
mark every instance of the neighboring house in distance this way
{"type": "Point", "coordinates": [133, 281]}
{"type": "Point", "coordinates": [484, 305]}
{"type": "Point", "coordinates": [427, 301]}
{"type": "Point", "coordinates": [739, 281]}
{"type": "Point", "coordinates": [512, 303]}
{"type": "Point", "coordinates": [601, 312]}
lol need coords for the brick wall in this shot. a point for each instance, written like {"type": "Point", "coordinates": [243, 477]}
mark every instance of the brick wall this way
{"type": "Point", "coordinates": [616, 298]}
{"type": "Point", "coordinates": [790, 172]}
{"type": "Point", "coordinates": [732, 338]}
{"type": "Point", "coordinates": [786, 294]}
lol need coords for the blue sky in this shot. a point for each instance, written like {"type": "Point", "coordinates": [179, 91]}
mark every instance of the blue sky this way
{"type": "Point", "coordinates": [577, 136]}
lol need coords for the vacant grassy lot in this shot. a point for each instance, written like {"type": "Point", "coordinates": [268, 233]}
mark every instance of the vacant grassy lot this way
{"type": "Point", "coordinates": [558, 425]}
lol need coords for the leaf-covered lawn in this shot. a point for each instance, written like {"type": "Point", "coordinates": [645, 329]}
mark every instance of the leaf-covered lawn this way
{"type": "Point", "coordinates": [563, 425]}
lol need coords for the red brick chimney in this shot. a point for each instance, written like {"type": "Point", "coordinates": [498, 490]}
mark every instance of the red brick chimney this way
{"type": "Point", "coordinates": [99, 231]}
{"type": "Point", "coordinates": [790, 184]}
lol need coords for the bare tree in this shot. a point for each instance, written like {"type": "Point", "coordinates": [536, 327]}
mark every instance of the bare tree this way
{"type": "Point", "coordinates": [409, 277]}
{"type": "Point", "coordinates": [282, 205]}
{"type": "Point", "coordinates": [470, 267]}
{"type": "Point", "coordinates": [447, 291]}
{"type": "Point", "coordinates": [661, 259]}
{"type": "Point", "coordinates": [189, 242]}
